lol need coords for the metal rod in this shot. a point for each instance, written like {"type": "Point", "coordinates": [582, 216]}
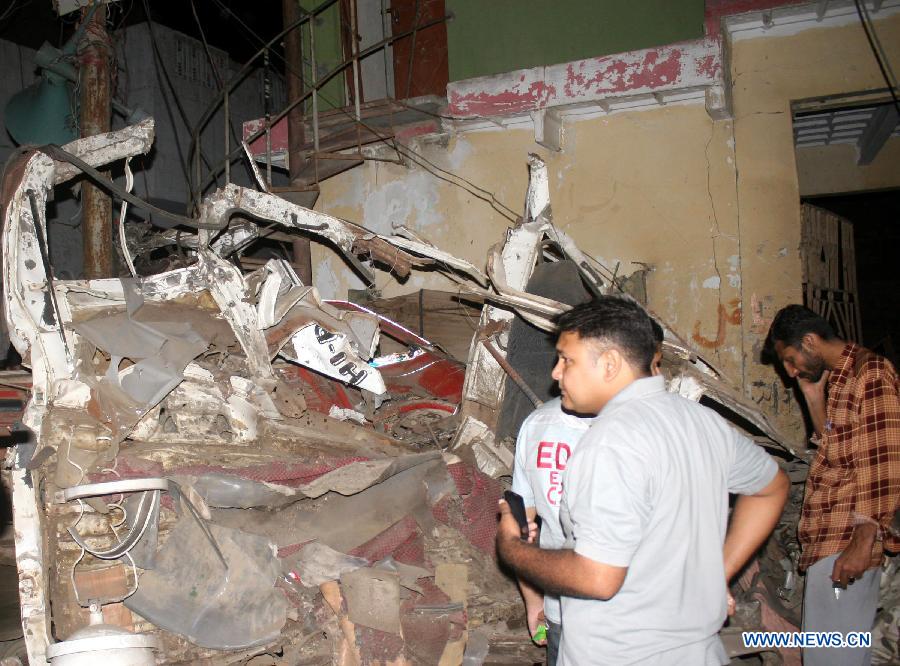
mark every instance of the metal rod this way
{"type": "Point", "coordinates": [267, 104]}
{"type": "Point", "coordinates": [412, 50]}
{"type": "Point", "coordinates": [315, 97]}
{"type": "Point", "coordinates": [513, 374]}
{"type": "Point", "coordinates": [354, 54]}
{"type": "Point", "coordinates": [198, 172]}
{"type": "Point", "coordinates": [227, 140]}
{"type": "Point", "coordinates": [39, 230]}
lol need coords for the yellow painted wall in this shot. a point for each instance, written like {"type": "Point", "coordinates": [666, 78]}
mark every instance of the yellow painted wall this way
{"type": "Point", "coordinates": [833, 169]}
{"type": "Point", "coordinates": [712, 207]}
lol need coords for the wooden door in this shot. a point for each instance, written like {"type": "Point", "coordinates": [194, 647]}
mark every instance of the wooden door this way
{"type": "Point", "coordinates": [420, 59]}
{"type": "Point", "coordinates": [828, 256]}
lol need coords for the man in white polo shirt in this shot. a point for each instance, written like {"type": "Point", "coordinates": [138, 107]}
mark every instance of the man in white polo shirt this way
{"type": "Point", "coordinates": [643, 578]}
{"type": "Point", "coordinates": [546, 440]}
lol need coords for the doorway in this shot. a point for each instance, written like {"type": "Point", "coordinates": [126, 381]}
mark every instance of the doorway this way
{"type": "Point", "coordinates": [874, 232]}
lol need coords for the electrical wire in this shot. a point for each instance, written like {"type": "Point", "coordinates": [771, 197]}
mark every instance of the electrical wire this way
{"type": "Point", "coordinates": [414, 156]}
{"type": "Point", "coordinates": [12, 8]}
{"type": "Point", "coordinates": [216, 74]}
{"type": "Point", "coordinates": [877, 50]}
{"type": "Point", "coordinates": [160, 64]}
{"type": "Point", "coordinates": [212, 64]}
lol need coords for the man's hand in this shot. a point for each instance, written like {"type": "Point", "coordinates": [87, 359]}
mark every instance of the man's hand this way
{"type": "Point", "coordinates": [814, 395]}
{"type": "Point", "coordinates": [730, 603]}
{"type": "Point", "coordinates": [853, 562]}
{"type": "Point", "coordinates": [534, 621]}
{"type": "Point", "coordinates": [509, 536]}
{"type": "Point", "coordinates": [509, 525]}
{"type": "Point", "coordinates": [814, 390]}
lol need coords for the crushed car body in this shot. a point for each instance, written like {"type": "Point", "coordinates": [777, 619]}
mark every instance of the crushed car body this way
{"type": "Point", "coordinates": [229, 464]}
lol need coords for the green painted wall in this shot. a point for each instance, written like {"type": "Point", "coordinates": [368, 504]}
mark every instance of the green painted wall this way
{"type": "Point", "coordinates": [493, 36]}
{"type": "Point", "coordinates": [329, 54]}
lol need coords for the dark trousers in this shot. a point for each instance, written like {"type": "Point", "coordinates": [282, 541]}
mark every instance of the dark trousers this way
{"type": "Point", "coordinates": [554, 633]}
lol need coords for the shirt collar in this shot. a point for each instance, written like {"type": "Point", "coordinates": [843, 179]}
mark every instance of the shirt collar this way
{"type": "Point", "coordinates": [842, 371]}
{"type": "Point", "coordinates": [637, 390]}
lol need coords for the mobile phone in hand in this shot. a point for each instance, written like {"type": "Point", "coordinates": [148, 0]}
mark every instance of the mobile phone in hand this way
{"type": "Point", "coordinates": [517, 508]}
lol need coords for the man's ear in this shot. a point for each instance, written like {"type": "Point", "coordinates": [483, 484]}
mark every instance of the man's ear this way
{"type": "Point", "coordinates": [610, 364]}
{"type": "Point", "coordinates": [809, 343]}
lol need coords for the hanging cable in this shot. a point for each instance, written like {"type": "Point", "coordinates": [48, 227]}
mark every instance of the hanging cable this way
{"type": "Point", "coordinates": [123, 211]}
{"type": "Point", "coordinates": [877, 51]}
{"type": "Point", "coordinates": [215, 70]}
{"type": "Point", "coordinates": [212, 64]}
{"type": "Point", "coordinates": [161, 65]}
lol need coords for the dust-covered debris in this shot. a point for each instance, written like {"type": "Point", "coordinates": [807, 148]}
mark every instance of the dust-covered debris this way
{"type": "Point", "coordinates": [329, 471]}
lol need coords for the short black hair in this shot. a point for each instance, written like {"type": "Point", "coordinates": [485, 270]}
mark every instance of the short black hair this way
{"type": "Point", "coordinates": [789, 326]}
{"type": "Point", "coordinates": [618, 322]}
{"type": "Point", "coordinates": [658, 333]}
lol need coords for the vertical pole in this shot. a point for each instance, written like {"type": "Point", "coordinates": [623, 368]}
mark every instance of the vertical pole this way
{"type": "Point", "coordinates": [354, 53]}
{"type": "Point", "coordinates": [293, 54]}
{"type": "Point", "coordinates": [227, 139]}
{"type": "Point", "coordinates": [315, 95]}
{"type": "Point", "coordinates": [94, 56]}
{"type": "Point", "coordinates": [267, 100]}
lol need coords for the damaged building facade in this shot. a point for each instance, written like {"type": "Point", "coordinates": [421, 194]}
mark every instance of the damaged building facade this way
{"type": "Point", "coordinates": [230, 464]}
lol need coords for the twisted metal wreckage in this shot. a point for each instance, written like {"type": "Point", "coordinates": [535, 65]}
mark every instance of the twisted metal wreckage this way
{"type": "Point", "coordinates": [216, 461]}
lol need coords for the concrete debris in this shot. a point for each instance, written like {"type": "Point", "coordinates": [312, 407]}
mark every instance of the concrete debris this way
{"type": "Point", "coordinates": [373, 598]}
{"type": "Point", "coordinates": [316, 563]}
{"type": "Point", "coordinates": [331, 474]}
{"type": "Point", "coordinates": [493, 459]}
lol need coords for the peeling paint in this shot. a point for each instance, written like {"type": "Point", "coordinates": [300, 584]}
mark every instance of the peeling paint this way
{"type": "Point", "coordinates": [711, 282]}
{"type": "Point", "coordinates": [685, 65]}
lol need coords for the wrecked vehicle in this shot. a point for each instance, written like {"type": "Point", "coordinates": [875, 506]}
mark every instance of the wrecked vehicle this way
{"type": "Point", "coordinates": [181, 486]}
{"type": "Point", "coordinates": [225, 467]}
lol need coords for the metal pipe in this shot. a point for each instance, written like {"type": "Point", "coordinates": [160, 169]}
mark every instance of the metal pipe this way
{"type": "Point", "coordinates": [315, 97]}
{"type": "Point", "coordinates": [354, 55]}
{"type": "Point", "coordinates": [95, 119]}
{"type": "Point", "coordinates": [267, 110]}
{"type": "Point", "coordinates": [227, 140]}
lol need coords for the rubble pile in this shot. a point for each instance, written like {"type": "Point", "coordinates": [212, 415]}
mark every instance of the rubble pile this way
{"type": "Point", "coordinates": [251, 474]}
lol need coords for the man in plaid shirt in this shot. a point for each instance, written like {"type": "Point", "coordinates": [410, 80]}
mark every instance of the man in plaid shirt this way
{"type": "Point", "coordinates": [853, 487]}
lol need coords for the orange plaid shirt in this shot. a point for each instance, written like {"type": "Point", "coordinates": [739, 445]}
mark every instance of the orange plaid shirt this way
{"type": "Point", "coordinates": [857, 466]}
